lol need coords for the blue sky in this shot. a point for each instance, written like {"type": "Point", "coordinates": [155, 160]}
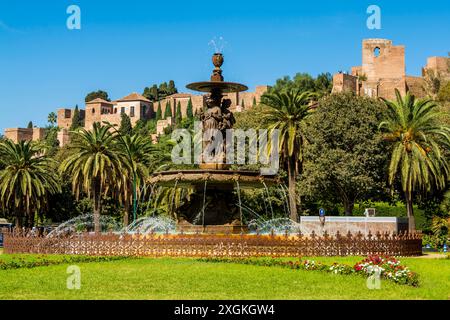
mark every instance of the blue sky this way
{"type": "Point", "coordinates": [124, 46]}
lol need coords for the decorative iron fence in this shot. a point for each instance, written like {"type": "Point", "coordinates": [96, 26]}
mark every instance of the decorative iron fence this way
{"type": "Point", "coordinates": [208, 245]}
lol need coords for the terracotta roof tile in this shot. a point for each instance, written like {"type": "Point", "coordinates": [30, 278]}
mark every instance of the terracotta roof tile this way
{"type": "Point", "coordinates": [134, 97]}
{"type": "Point", "coordinates": [98, 100]}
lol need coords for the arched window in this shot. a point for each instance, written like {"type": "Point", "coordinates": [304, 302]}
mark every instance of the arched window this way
{"type": "Point", "coordinates": [376, 52]}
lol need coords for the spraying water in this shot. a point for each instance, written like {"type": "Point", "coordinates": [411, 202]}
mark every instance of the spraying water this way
{"type": "Point", "coordinates": [217, 44]}
{"type": "Point", "coordinates": [147, 225]}
{"type": "Point", "coordinates": [85, 223]}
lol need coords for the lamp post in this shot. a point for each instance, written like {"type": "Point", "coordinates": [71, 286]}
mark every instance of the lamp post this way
{"type": "Point", "coordinates": [322, 216]}
{"type": "Point", "coordinates": [130, 158]}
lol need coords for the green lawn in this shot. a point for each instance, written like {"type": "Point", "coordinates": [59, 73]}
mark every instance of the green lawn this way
{"type": "Point", "coordinates": [169, 278]}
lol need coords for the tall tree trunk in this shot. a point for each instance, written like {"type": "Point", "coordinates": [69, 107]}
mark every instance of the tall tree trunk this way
{"type": "Point", "coordinates": [410, 211]}
{"type": "Point", "coordinates": [291, 189]}
{"type": "Point", "coordinates": [348, 207]}
{"type": "Point", "coordinates": [97, 199]}
{"type": "Point", "coordinates": [18, 222]}
{"type": "Point", "coordinates": [30, 220]}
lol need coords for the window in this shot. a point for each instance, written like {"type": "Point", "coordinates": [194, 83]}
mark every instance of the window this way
{"type": "Point", "coordinates": [122, 110]}
{"type": "Point", "coordinates": [131, 111]}
{"type": "Point", "coordinates": [93, 110]}
{"type": "Point", "coordinates": [376, 52]}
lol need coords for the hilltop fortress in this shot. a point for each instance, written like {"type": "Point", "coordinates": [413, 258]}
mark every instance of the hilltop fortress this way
{"type": "Point", "coordinates": [382, 71]}
{"type": "Point", "coordinates": [137, 107]}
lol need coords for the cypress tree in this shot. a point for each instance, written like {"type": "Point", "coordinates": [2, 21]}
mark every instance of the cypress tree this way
{"type": "Point", "coordinates": [242, 104]}
{"type": "Point", "coordinates": [30, 125]}
{"type": "Point", "coordinates": [159, 112]}
{"type": "Point", "coordinates": [168, 110]}
{"type": "Point", "coordinates": [189, 113]}
{"type": "Point", "coordinates": [125, 124]}
{"type": "Point", "coordinates": [178, 115]}
{"type": "Point", "coordinates": [254, 101]}
{"type": "Point", "coordinates": [76, 121]}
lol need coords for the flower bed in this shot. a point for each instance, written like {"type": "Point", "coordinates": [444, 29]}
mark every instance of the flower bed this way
{"type": "Point", "coordinates": [387, 267]}
{"type": "Point", "coordinates": [42, 261]}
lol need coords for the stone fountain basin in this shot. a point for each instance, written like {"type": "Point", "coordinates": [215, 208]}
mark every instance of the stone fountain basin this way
{"type": "Point", "coordinates": [223, 86]}
{"type": "Point", "coordinates": [224, 178]}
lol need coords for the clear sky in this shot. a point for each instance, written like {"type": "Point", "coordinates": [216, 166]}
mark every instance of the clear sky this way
{"type": "Point", "coordinates": [124, 46]}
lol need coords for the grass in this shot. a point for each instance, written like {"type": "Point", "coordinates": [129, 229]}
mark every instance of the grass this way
{"type": "Point", "coordinates": [170, 278]}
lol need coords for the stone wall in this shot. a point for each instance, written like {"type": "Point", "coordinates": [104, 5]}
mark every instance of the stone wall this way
{"type": "Point", "coordinates": [415, 85]}
{"type": "Point", "coordinates": [383, 70]}
{"type": "Point", "coordinates": [24, 134]}
{"type": "Point", "coordinates": [343, 225]}
{"type": "Point", "coordinates": [162, 124]}
{"type": "Point", "coordinates": [64, 117]}
{"type": "Point", "coordinates": [388, 64]}
{"type": "Point", "coordinates": [63, 137]}
{"type": "Point", "coordinates": [344, 82]}
{"type": "Point", "coordinates": [439, 65]}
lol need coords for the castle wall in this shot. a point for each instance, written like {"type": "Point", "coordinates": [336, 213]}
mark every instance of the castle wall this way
{"type": "Point", "coordinates": [63, 137]}
{"type": "Point", "coordinates": [383, 71]}
{"type": "Point", "coordinates": [24, 134]}
{"type": "Point", "coordinates": [439, 65]}
{"type": "Point", "coordinates": [389, 64]}
{"type": "Point", "coordinates": [386, 87]}
{"type": "Point", "coordinates": [162, 124]}
{"type": "Point", "coordinates": [415, 85]}
{"type": "Point", "coordinates": [64, 117]}
{"type": "Point", "coordinates": [344, 82]}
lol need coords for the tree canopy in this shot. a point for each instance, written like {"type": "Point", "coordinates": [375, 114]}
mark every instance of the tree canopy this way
{"type": "Point", "coordinates": [125, 124]}
{"type": "Point", "coordinates": [96, 94]}
{"type": "Point", "coordinates": [322, 84]}
{"type": "Point", "coordinates": [157, 93]}
{"type": "Point", "coordinates": [345, 155]}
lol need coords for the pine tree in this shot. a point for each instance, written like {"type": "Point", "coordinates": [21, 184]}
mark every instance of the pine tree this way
{"type": "Point", "coordinates": [159, 112]}
{"type": "Point", "coordinates": [189, 113]}
{"type": "Point", "coordinates": [97, 94]}
{"type": "Point", "coordinates": [178, 115]}
{"type": "Point", "coordinates": [168, 110]}
{"type": "Point", "coordinates": [172, 89]}
{"type": "Point", "coordinates": [125, 124]}
{"type": "Point", "coordinates": [155, 93]}
{"type": "Point", "coordinates": [30, 125]}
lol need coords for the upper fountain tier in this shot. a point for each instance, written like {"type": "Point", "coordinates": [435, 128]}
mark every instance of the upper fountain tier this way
{"type": "Point", "coordinates": [217, 85]}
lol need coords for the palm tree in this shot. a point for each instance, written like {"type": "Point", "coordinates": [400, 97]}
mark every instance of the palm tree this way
{"type": "Point", "coordinates": [286, 112]}
{"type": "Point", "coordinates": [95, 165]}
{"type": "Point", "coordinates": [137, 152]}
{"type": "Point", "coordinates": [52, 118]}
{"type": "Point", "coordinates": [26, 180]}
{"type": "Point", "coordinates": [418, 140]}
{"type": "Point", "coordinates": [169, 199]}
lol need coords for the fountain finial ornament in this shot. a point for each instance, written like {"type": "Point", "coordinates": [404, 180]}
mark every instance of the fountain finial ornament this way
{"type": "Point", "coordinates": [217, 59]}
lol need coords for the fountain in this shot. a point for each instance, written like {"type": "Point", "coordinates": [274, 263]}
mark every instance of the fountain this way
{"type": "Point", "coordinates": [207, 224]}
{"type": "Point", "coordinates": [215, 205]}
